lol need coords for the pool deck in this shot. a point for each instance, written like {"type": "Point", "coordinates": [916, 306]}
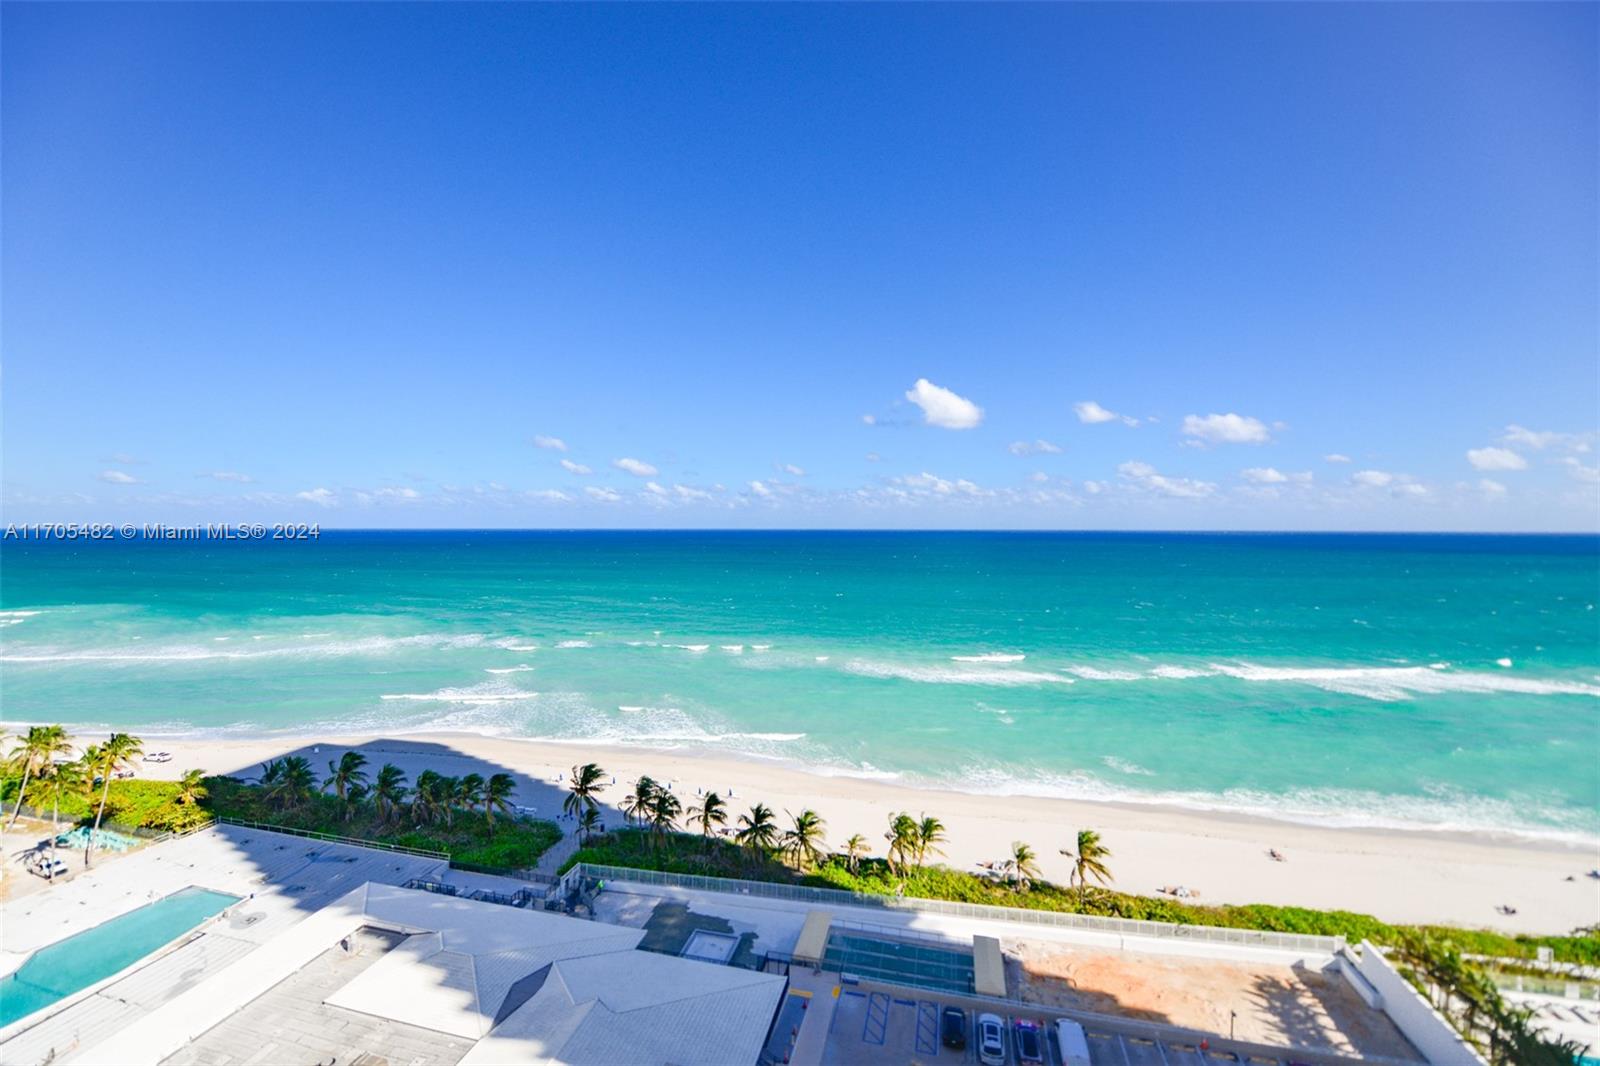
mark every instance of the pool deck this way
{"type": "Point", "coordinates": [281, 881]}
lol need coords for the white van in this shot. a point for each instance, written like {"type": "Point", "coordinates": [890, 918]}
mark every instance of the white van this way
{"type": "Point", "coordinates": [1074, 1044]}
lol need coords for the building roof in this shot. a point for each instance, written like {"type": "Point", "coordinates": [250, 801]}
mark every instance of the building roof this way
{"type": "Point", "coordinates": [636, 1007]}
{"type": "Point", "coordinates": [458, 969]}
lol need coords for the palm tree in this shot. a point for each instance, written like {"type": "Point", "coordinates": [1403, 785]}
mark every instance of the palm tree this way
{"type": "Point", "coordinates": [389, 790]}
{"type": "Point", "coordinates": [1022, 868]}
{"type": "Point", "coordinates": [588, 781]}
{"type": "Point", "coordinates": [903, 835]}
{"type": "Point", "coordinates": [854, 849]}
{"type": "Point", "coordinates": [663, 815]}
{"type": "Point", "coordinates": [636, 805]}
{"type": "Point", "coordinates": [803, 841]}
{"type": "Point", "coordinates": [62, 779]}
{"type": "Point", "coordinates": [588, 821]}
{"type": "Point", "coordinates": [118, 751]}
{"type": "Point", "coordinates": [346, 773]}
{"type": "Point", "coordinates": [930, 834]}
{"type": "Point", "coordinates": [1089, 861]}
{"type": "Point", "coordinates": [271, 771]}
{"type": "Point", "coordinates": [449, 792]}
{"type": "Point", "coordinates": [191, 787]}
{"type": "Point", "coordinates": [758, 831]}
{"type": "Point", "coordinates": [36, 752]}
{"type": "Point", "coordinates": [426, 798]}
{"type": "Point", "coordinates": [711, 813]}
{"type": "Point", "coordinates": [293, 782]}
{"type": "Point", "coordinates": [469, 791]}
{"type": "Point", "coordinates": [497, 797]}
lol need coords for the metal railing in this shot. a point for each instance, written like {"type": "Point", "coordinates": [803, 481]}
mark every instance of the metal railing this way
{"type": "Point", "coordinates": [330, 838]}
{"type": "Point", "coordinates": [1260, 938]}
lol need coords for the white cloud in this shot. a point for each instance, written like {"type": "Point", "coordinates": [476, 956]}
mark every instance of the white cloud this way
{"type": "Point", "coordinates": [874, 457]}
{"type": "Point", "coordinates": [1144, 475]}
{"type": "Point", "coordinates": [1267, 475]}
{"type": "Point", "coordinates": [552, 495]}
{"type": "Point", "coordinates": [1376, 479]}
{"type": "Point", "coordinates": [1226, 429]}
{"type": "Point", "coordinates": [1491, 488]}
{"type": "Point", "coordinates": [367, 499]}
{"type": "Point", "coordinates": [575, 468]}
{"type": "Point", "coordinates": [686, 492]}
{"type": "Point", "coordinates": [1335, 457]}
{"type": "Point", "coordinates": [229, 475]}
{"type": "Point", "coordinates": [125, 459]}
{"type": "Point", "coordinates": [1539, 440]}
{"type": "Point", "coordinates": [869, 420]}
{"type": "Point", "coordinates": [636, 467]}
{"type": "Point", "coordinates": [1587, 474]}
{"type": "Point", "coordinates": [117, 477]}
{"type": "Point", "coordinates": [554, 444]}
{"type": "Point", "coordinates": [943, 408]}
{"type": "Point", "coordinates": [1092, 413]}
{"type": "Point", "coordinates": [792, 470]}
{"type": "Point", "coordinates": [760, 489]}
{"type": "Point", "coordinates": [603, 495]}
{"type": "Point", "coordinates": [925, 483]}
{"type": "Point", "coordinates": [1038, 447]}
{"type": "Point", "coordinates": [1496, 459]}
{"type": "Point", "coordinates": [1410, 488]}
{"type": "Point", "coordinates": [1039, 476]}
{"type": "Point", "coordinates": [654, 489]}
{"type": "Point", "coordinates": [320, 497]}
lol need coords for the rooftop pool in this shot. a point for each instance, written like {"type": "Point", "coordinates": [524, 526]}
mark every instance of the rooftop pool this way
{"type": "Point", "coordinates": [58, 970]}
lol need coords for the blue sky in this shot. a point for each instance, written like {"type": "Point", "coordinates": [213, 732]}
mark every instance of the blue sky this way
{"type": "Point", "coordinates": [1322, 266]}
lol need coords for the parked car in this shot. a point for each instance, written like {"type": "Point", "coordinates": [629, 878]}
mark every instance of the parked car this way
{"type": "Point", "coordinates": [49, 867]}
{"type": "Point", "coordinates": [953, 1028]}
{"type": "Point", "coordinates": [1074, 1043]}
{"type": "Point", "coordinates": [991, 1040]}
{"type": "Point", "coordinates": [1030, 1042]}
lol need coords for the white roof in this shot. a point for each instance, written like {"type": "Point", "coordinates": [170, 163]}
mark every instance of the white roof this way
{"type": "Point", "coordinates": [454, 973]}
{"type": "Point", "coordinates": [637, 1007]}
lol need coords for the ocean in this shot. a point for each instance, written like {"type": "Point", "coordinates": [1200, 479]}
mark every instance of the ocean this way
{"type": "Point", "coordinates": [1429, 681]}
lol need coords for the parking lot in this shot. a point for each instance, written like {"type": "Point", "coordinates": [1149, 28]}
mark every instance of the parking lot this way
{"type": "Point", "coordinates": [874, 1025]}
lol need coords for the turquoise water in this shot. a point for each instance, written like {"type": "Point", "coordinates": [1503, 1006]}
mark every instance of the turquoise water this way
{"type": "Point", "coordinates": [104, 839]}
{"type": "Point", "coordinates": [67, 966]}
{"type": "Point", "coordinates": [1437, 681]}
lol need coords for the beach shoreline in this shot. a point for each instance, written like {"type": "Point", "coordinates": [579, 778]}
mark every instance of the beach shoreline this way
{"type": "Point", "coordinates": [1399, 875]}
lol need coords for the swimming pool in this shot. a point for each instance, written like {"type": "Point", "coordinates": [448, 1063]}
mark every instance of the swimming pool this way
{"type": "Point", "coordinates": [71, 965]}
{"type": "Point", "coordinates": [921, 965]}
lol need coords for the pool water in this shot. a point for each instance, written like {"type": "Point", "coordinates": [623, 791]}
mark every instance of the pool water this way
{"type": "Point", "coordinates": [71, 965]}
{"type": "Point", "coordinates": [899, 962]}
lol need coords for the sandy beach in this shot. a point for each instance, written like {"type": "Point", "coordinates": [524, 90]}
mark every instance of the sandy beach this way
{"type": "Point", "coordinates": [1398, 876]}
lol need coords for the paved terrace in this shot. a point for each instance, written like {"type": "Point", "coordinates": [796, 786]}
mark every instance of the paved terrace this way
{"type": "Point", "coordinates": [281, 880]}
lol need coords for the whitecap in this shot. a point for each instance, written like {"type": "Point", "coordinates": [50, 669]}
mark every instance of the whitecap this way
{"type": "Point", "coordinates": [1125, 766]}
{"type": "Point", "coordinates": [518, 669]}
{"type": "Point", "coordinates": [760, 647]}
{"type": "Point", "coordinates": [1090, 673]}
{"type": "Point", "coordinates": [733, 649]}
{"type": "Point", "coordinates": [488, 692]}
{"type": "Point", "coordinates": [988, 657]}
{"type": "Point", "coordinates": [574, 644]}
{"type": "Point", "coordinates": [1179, 673]}
{"type": "Point", "coordinates": [1503, 662]}
{"type": "Point", "coordinates": [963, 675]}
{"type": "Point", "coordinates": [1399, 683]}
{"type": "Point", "coordinates": [690, 647]}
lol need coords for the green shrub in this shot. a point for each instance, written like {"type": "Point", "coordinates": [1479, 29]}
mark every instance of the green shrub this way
{"type": "Point", "coordinates": [688, 854]}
